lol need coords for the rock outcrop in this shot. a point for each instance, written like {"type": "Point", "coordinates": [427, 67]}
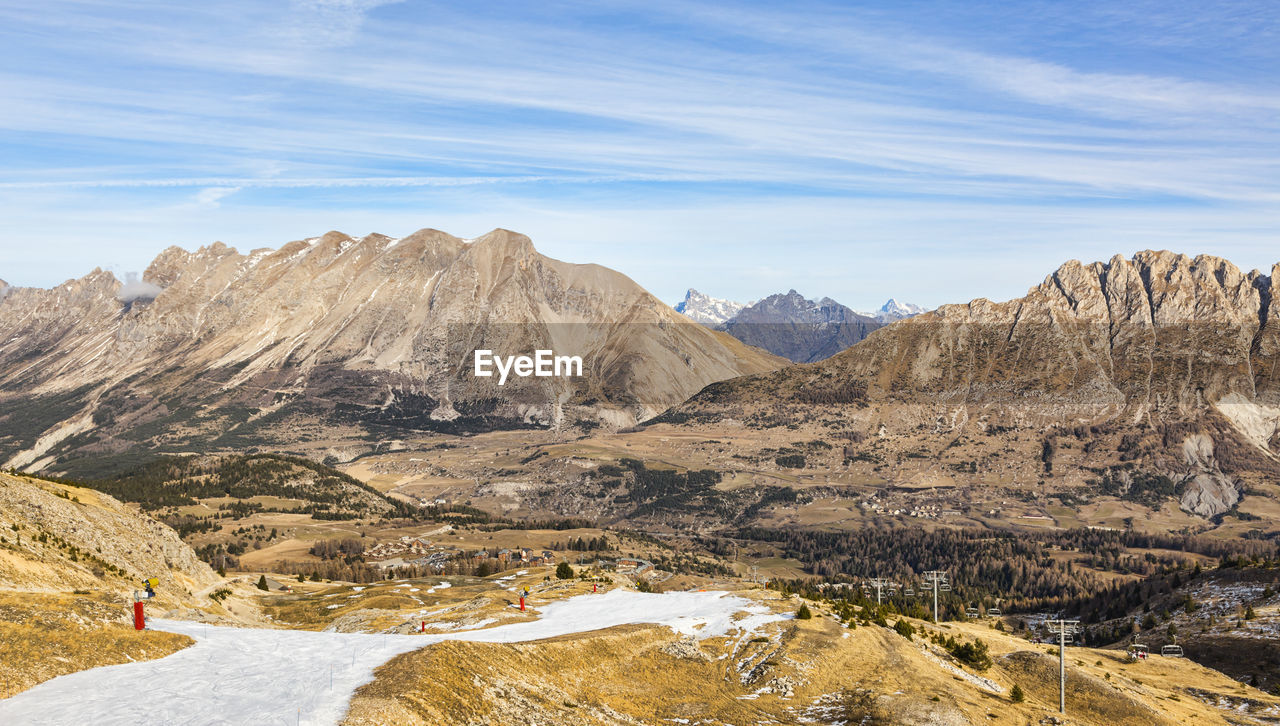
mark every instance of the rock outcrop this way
{"type": "Point", "coordinates": [706, 310]}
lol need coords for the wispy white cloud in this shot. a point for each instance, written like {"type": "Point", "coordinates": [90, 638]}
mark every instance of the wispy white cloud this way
{"type": "Point", "coordinates": [538, 114]}
{"type": "Point", "coordinates": [335, 22]}
{"type": "Point", "coordinates": [211, 196]}
{"type": "Point", "coordinates": [696, 117]}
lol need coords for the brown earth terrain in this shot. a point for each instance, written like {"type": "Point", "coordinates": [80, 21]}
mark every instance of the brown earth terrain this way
{"type": "Point", "coordinates": [813, 671]}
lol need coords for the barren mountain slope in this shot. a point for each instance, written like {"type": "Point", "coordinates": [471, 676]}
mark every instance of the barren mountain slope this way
{"type": "Point", "coordinates": [69, 560]}
{"type": "Point", "coordinates": [1160, 331]}
{"type": "Point", "coordinates": [1178, 352]}
{"type": "Point", "coordinates": [335, 335]}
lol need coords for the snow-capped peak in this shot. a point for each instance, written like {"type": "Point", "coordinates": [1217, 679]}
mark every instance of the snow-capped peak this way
{"type": "Point", "coordinates": [707, 310]}
{"type": "Point", "coordinates": [893, 310]}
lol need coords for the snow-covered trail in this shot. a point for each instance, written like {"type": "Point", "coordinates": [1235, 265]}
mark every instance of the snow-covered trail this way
{"type": "Point", "coordinates": [292, 677]}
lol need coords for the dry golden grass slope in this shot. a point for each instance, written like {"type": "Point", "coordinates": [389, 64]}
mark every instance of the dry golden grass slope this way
{"type": "Point", "coordinates": [812, 671]}
{"type": "Point", "coordinates": [44, 635]}
{"type": "Point", "coordinates": [69, 561]}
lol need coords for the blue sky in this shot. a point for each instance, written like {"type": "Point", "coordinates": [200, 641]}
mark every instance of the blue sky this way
{"type": "Point", "coordinates": [933, 152]}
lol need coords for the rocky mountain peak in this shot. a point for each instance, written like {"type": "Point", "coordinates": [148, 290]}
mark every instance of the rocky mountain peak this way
{"type": "Point", "coordinates": [504, 243]}
{"type": "Point", "coordinates": [98, 283]}
{"type": "Point", "coordinates": [1157, 287]}
{"type": "Point", "coordinates": [167, 265]}
{"type": "Point", "coordinates": [707, 310]}
{"type": "Point", "coordinates": [799, 329]}
{"type": "Point", "coordinates": [431, 239]}
{"type": "Point", "coordinates": [894, 310]}
{"type": "Point", "coordinates": [342, 331]}
{"type": "Point", "coordinates": [217, 250]}
{"type": "Point", "coordinates": [333, 237]}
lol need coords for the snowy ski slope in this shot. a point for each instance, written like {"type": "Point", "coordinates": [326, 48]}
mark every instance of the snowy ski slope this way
{"type": "Point", "coordinates": [291, 677]}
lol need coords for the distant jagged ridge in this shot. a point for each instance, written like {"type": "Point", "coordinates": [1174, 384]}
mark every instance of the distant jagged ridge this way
{"type": "Point", "coordinates": [798, 329]}
{"type": "Point", "coordinates": [1161, 330]}
{"type": "Point", "coordinates": [790, 325]}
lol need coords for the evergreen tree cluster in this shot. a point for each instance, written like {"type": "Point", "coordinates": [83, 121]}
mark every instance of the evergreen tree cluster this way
{"type": "Point", "coordinates": [349, 549]}
{"type": "Point", "coordinates": [579, 544]}
{"type": "Point", "coordinates": [174, 481]}
{"type": "Point", "coordinates": [983, 565]}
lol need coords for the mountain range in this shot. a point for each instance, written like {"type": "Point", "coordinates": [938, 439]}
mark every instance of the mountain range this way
{"type": "Point", "coordinates": [715, 311]}
{"type": "Point", "coordinates": [1162, 360]}
{"type": "Point", "coordinates": [1163, 331]}
{"type": "Point", "coordinates": [789, 325]}
{"type": "Point", "coordinates": [341, 337]}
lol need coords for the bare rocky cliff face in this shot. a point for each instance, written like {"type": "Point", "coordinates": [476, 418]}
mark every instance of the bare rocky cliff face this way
{"type": "Point", "coordinates": [1155, 340]}
{"type": "Point", "coordinates": [336, 336]}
